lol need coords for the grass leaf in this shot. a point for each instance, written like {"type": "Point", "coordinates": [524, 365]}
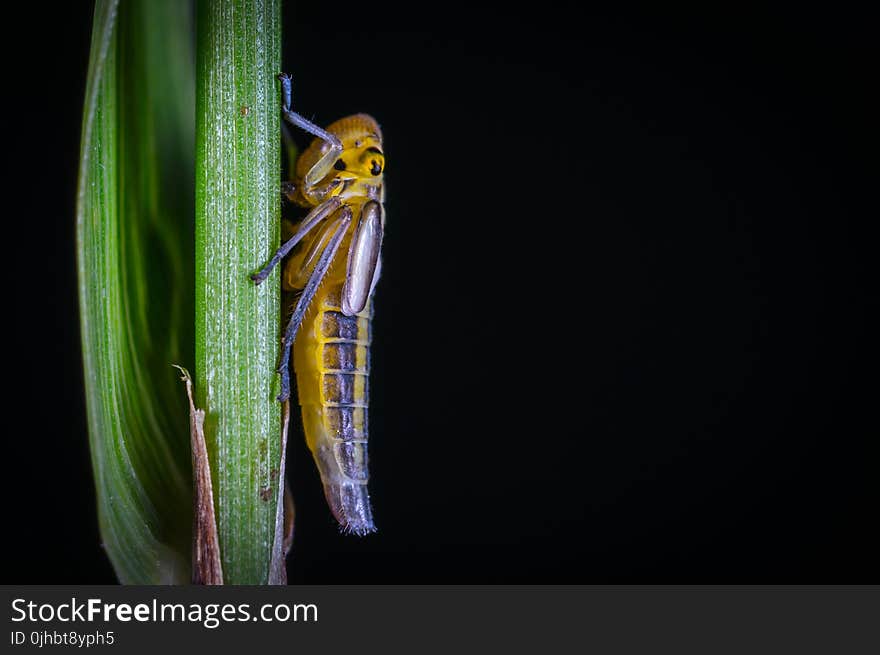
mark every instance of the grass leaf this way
{"type": "Point", "coordinates": [135, 251]}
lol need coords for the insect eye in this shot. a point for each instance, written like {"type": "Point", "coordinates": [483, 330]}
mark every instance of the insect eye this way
{"type": "Point", "coordinates": [339, 165]}
{"type": "Point", "coordinates": [377, 167]}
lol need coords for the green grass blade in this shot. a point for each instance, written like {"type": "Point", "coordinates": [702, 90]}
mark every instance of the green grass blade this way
{"type": "Point", "coordinates": [238, 206]}
{"type": "Point", "coordinates": [134, 253]}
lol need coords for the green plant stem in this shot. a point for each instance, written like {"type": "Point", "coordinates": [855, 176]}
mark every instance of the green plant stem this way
{"type": "Point", "coordinates": [238, 207]}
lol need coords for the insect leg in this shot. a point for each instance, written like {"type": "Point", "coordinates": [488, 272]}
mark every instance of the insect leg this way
{"type": "Point", "coordinates": [316, 193]}
{"type": "Point", "coordinates": [325, 163]}
{"type": "Point", "coordinates": [314, 217]}
{"type": "Point", "coordinates": [302, 304]}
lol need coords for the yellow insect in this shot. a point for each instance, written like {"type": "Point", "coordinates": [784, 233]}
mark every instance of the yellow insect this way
{"type": "Point", "coordinates": [335, 269]}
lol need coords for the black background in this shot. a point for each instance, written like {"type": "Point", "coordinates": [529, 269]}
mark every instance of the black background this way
{"type": "Point", "coordinates": [622, 331]}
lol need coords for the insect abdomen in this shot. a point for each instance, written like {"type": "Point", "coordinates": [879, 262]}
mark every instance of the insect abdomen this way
{"type": "Point", "coordinates": [332, 362]}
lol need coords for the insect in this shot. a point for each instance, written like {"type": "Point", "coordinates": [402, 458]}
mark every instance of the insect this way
{"type": "Point", "coordinates": [334, 270]}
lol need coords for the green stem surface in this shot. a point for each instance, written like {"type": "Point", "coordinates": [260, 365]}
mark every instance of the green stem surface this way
{"type": "Point", "coordinates": [238, 207]}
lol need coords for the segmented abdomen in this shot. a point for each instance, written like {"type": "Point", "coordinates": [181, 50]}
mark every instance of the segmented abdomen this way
{"type": "Point", "coordinates": [332, 362]}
